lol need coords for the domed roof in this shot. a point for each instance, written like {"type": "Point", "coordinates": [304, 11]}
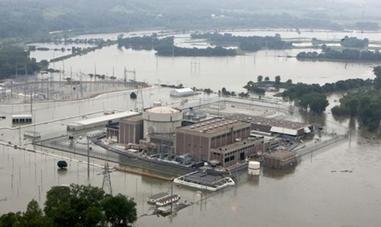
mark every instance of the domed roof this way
{"type": "Point", "coordinates": [163, 110]}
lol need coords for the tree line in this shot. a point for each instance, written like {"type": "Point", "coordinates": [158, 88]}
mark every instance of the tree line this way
{"type": "Point", "coordinates": [166, 47]}
{"type": "Point", "coordinates": [14, 60]}
{"type": "Point", "coordinates": [307, 96]}
{"type": "Point", "coordinates": [246, 43]}
{"type": "Point", "coordinates": [77, 205]}
{"type": "Point", "coordinates": [363, 104]}
{"type": "Point", "coordinates": [336, 54]}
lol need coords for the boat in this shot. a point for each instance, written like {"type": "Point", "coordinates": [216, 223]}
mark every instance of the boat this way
{"type": "Point", "coordinates": [156, 197]}
{"type": "Point", "coordinates": [168, 200]}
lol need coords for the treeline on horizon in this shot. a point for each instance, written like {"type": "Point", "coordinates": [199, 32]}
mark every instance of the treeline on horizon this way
{"type": "Point", "coordinates": [246, 43]}
{"type": "Point", "coordinates": [30, 19]}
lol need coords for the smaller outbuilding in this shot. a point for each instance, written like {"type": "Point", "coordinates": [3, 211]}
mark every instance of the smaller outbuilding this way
{"type": "Point", "coordinates": [182, 92]}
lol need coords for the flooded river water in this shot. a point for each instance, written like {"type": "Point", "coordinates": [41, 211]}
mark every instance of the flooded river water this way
{"type": "Point", "coordinates": [338, 186]}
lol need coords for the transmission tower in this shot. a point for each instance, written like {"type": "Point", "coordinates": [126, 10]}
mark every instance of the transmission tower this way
{"type": "Point", "coordinates": [106, 183]}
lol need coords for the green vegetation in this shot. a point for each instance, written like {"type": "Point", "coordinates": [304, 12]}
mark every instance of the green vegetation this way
{"type": "Point", "coordinates": [364, 104]}
{"type": "Point", "coordinates": [14, 60]}
{"type": "Point", "coordinates": [75, 206]}
{"type": "Point", "coordinates": [345, 54]}
{"type": "Point", "coordinates": [166, 47]}
{"type": "Point", "coordinates": [249, 43]}
{"type": "Point", "coordinates": [25, 18]}
{"type": "Point", "coordinates": [312, 96]}
{"type": "Point", "coordinates": [225, 92]}
{"type": "Point", "coordinates": [195, 52]}
{"type": "Point", "coordinates": [145, 42]}
{"type": "Point", "coordinates": [353, 42]}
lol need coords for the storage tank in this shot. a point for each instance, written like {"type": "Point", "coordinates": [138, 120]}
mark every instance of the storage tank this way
{"type": "Point", "coordinates": [254, 168]}
{"type": "Point", "coordinates": [161, 120]}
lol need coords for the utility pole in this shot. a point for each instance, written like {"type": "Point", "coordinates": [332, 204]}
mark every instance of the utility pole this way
{"type": "Point", "coordinates": [88, 159]}
{"type": "Point", "coordinates": [106, 178]}
{"type": "Point", "coordinates": [125, 77]}
{"type": "Point", "coordinates": [171, 196]}
{"type": "Point", "coordinates": [140, 89]}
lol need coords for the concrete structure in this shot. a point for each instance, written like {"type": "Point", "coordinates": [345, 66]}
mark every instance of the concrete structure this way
{"type": "Point", "coordinates": [131, 130]}
{"type": "Point", "coordinates": [161, 120]}
{"type": "Point", "coordinates": [198, 139]}
{"type": "Point", "coordinates": [182, 92]}
{"type": "Point", "coordinates": [276, 126]}
{"type": "Point", "coordinates": [237, 152]}
{"type": "Point", "coordinates": [279, 159]}
{"type": "Point", "coordinates": [99, 121]}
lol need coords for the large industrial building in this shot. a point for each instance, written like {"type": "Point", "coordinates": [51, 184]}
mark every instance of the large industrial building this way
{"type": "Point", "coordinates": [199, 139]}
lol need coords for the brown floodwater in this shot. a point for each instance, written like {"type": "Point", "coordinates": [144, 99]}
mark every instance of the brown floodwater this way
{"type": "Point", "coordinates": [338, 186]}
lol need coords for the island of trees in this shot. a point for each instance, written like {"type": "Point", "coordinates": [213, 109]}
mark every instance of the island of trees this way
{"type": "Point", "coordinates": [14, 60]}
{"type": "Point", "coordinates": [166, 47]}
{"type": "Point", "coordinates": [245, 43]}
{"type": "Point", "coordinates": [363, 104]}
{"type": "Point", "coordinates": [75, 206]}
{"type": "Point", "coordinates": [329, 53]}
{"type": "Point", "coordinates": [353, 42]}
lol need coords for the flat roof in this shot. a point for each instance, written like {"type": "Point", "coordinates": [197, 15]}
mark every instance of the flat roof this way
{"type": "Point", "coordinates": [22, 116]}
{"type": "Point", "coordinates": [236, 146]}
{"type": "Point", "coordinates": [272, 122]}
{"type": "Point", "coordinates": [214, 125]}
{"type": "Point", "coordinates": [104, 118]}
{"type": "Point", "coordinates": [133, 118]}
{"type": "Point", "coordinates": [280, 155]}
{"type": "Point", "coordinates": [205, 179]}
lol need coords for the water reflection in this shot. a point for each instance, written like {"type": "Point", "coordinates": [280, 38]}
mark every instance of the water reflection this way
{"type": "Point", "coordinates": [278, 174]}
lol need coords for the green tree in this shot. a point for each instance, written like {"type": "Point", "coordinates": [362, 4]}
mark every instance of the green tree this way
{"type": "Point", "coordinates": [315, 101]}
{"type": "Point", "coordinates": [277, 81]}
{"type": "Point", "coordinates": [75, 205]}
{"type": "Point", "coordinates": [34, 217]}
{"type": "Point", "coordinates": [11, 219]}
{"type": "Point", "coordinates": [80, 205]}
{"type": "Point", "coordinates": [119, 210]}
{"type": "Point", "coordinates": [377, 80]}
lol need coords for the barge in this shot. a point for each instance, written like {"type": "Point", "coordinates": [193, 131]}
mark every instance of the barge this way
{"type": "Point", "coordinates": [204, 181]}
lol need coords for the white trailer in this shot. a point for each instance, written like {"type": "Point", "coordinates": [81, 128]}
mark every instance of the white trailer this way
{"type": "Point", "coordinates": [254, 168]}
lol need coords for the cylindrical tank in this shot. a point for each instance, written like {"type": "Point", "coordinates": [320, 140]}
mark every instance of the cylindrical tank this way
{"type": "Point", "coordinates": [161, 120]}
{"type": "Point", "coordinates": [254, 168]}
